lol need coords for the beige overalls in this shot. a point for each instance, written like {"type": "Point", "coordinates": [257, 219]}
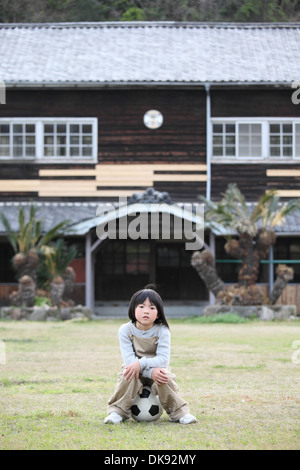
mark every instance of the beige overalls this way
{"type": "Point", "coordinates": [126, 390]}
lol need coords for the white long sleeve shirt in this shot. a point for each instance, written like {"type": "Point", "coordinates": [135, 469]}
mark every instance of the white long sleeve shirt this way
{"type": "Point", "coordinates": [162, 358]}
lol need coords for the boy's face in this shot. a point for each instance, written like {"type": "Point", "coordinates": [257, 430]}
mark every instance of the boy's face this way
{"type": "Point", "coordinates": [145, 314]}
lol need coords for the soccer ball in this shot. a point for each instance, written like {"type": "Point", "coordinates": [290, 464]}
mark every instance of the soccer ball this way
{"type": "Point", "coordinates": [146, 406]}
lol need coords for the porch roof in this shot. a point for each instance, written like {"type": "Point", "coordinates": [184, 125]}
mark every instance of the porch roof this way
{"type": "Point", "coordinates": [83, 216]}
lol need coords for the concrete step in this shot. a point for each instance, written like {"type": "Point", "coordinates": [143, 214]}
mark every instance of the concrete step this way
{"type": "Point", "coordinates": [173, 309]}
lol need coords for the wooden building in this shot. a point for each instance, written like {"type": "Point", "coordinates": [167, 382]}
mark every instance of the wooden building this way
{"type": "Point", "coordinates": [95, 112]}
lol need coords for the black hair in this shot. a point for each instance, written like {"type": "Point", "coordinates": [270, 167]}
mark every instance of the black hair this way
{"type": "Point", "coordinates": [150, 293]}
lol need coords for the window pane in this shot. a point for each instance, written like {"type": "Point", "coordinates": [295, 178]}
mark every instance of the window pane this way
{"type": "Point", "coordinates": [18, 140]}
{"type": "Point", "coordinates": [30, 128]}
{"type": "Point", "coordinates": [17, 151]}
{"type": "Point", "coordinates": [48, 151]}
{"type": "Point", "coordinates": [287, 128]}
{"type": "Point", "coordinates": [250, 140]}
{"type": "Point", "coordinates": [61, 151]}
{"type": "Point", "coordinates": [244, 140]}
{"type": "Point", "coordinates": [61, 140]}
{"type": "Point", "coordinates": [274, 128]}
{"type": "Point", "coordinates": [30, 151]}
{"type": "Point", "coordinates": [17, 128]}
{"type": "Point", "coordinates": [230, 151]}
{"type": "Point", "coordinates": [86, 129]}
{"type": "Point", "coordinates": [287, 151]}
{"type": "Point", "coordinates": [74, 151]}
{"type": "Point", "coordinates": [287, 140]}
{"type": "Point", "coordinates": [4, 151]}
{"type": "Point", "coordinates": [4, 140]}
{"type": "Point", "coordinates": [255, 128]}
{"type": "Point", "coordinates": [48, 140]}
{"type": "Point", "coordinates": [255, 151]}
{"type": "Point", "coordinates": [256, 140]}
{"type": "Point", "coordinates": [4, 128]}
{"type": "Point", "coordinates": [61, 128]}
{"type": "Point", "coordinates": [230, 140]}
{"type": "Point", "coordinates": [217, 128]}
{"type": "Point", "coordinates": [230, 128]}
{"type": "Point", "coordinates": [217, 140]}
{"type": "Point", "coordinates": [274, 140]}
{"type": "Point", "coordinates": [30, 140]}
{"type": "Point", "coordinates": [49, 128]}
{"type": "Point", "coordinates": [87, 151]}
{"type": "Point", "coordinates": [74, 140]}
{"type": "Point", "coordinates": [243, 151]}
{"type": "Point", "coordinates": [74, 128]}
{"type": "Point", "coordinates": [87, 140]}
{"type": "Point", "coordinates": [218, 151]}
{"type": "Point", "coordinates": [275, 152]}
{"type": "Point", "coordinates": [244, 129]}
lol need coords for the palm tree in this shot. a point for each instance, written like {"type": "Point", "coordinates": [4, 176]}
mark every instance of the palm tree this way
{"type": "Point", "coordinates": [56, 270]}
{"type": "Point", "coordinates": [250, 234]}
{"type": "Point", "coordinates": [27, 243]}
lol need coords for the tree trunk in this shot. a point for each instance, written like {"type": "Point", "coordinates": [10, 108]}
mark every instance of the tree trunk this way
{"type": "Point", "coordinates": [26, 264]}
{"type": "Point", "coordinates": [56, 290]}
{"type": "Point", "coordinates": [284, 275]}
{"type": "Point", "coordinates": [27, 291]}
{"type": "Point", "coordinates": [245, 250]}
{"type": "Point", "coordinates": [69, 277]}
{"type": "Point", "coordinates": [204, 264]}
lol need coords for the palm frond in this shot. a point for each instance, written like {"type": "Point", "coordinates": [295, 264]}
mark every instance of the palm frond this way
{"type": "Point", "coordinates": [55, 232]}
{"type": "Point", "coordinates": [11, 235]}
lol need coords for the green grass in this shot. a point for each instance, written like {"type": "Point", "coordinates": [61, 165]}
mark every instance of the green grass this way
{"type": "Point", "coordinates": [238, 378]}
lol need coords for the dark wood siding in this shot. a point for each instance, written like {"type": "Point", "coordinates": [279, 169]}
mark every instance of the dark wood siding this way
{"type": "Point", "coordinates": [253, 102]}
{"type": "Point", "coordinates": [252, 177]}
{"type": "Point", "coordinates": [122, 135]}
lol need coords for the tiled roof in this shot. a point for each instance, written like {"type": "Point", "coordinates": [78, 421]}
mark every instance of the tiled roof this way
{"type": "Point", "coordinates": [52, 213]}
{"type": "Point", "coordinates": [163, 52]}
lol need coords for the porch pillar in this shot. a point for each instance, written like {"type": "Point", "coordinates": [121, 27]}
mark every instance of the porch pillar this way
{"type": "Point", "coordinates": [212, 245]}
{"type": "Point", "coordinates": [89, 278]}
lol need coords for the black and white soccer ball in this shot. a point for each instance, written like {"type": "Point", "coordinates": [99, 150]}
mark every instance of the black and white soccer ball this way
{"type": "Point", "coordinates": [146, 406]}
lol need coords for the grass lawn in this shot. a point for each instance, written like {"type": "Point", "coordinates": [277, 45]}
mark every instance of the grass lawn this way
{"type": "Point", "coordinates": [239, 380]}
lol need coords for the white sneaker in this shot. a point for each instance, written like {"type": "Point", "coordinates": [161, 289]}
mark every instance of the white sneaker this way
{"type": "Point", "coordinates": [113, 418]}
{"type": "Point", "coordinates": [186, 419]}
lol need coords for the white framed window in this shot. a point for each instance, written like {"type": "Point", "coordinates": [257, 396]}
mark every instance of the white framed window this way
{"type": "Point", "coordinates": [249, 140]}
{"type": "Point", "coordinates": [275, 139]}
{"type": "Point", "coordinates": [224, 139]}
{"type": "Point", "coordinates": [17, 139]}
{"type": "Point", "coordinates": [49, 139]}
{"type": "Point", "coordinates": [281, 139]}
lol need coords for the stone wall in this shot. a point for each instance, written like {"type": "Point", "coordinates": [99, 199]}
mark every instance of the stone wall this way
{"type": "Point", "coordinates": [262, 312]}
{"type": "Point", "coordinates": [45, 313]}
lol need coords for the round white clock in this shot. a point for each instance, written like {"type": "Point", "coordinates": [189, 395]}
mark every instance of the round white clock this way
{"type": "Point", "coordinates": [153, 119]}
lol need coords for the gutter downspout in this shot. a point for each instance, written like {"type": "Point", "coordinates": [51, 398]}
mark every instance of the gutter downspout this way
{"type": "Point", "coordinates": [208, 171]}
{"type": "Point", "coordinates": [208, 141]}
{"type": "Point", "coordinates": [89, 301]}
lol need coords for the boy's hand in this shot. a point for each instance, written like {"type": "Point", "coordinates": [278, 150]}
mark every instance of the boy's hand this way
{"type": "Point", "coordinates": [159, 376]}
{"type": "Point", "coordinates": [132, 370]}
